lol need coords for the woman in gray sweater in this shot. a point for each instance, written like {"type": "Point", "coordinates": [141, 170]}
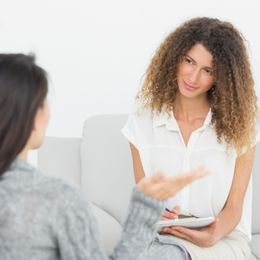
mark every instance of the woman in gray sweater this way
{"type": "Point", "coordinates": [47, 218]}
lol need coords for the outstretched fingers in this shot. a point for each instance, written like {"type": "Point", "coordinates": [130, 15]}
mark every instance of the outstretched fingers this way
{"type": "Point", "coordinates": [176, 183]}
{"type": "Point", "coordinates": [161, 187]}
{"type": "Point", "coordinates": [188, 177]}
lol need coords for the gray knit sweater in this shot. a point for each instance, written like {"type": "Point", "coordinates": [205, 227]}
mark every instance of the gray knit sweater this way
{"type": "Point", "coordinates": [47, 218]}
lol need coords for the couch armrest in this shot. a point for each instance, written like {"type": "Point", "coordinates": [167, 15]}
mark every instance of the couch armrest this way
{"type": "Point", "coordinates": [61, 157]}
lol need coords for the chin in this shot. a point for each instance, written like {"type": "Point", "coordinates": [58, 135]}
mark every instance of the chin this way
{"type": "Point", "coordinates": [188, 94]}
{"type": "Point", "coordinates": [37, 145]}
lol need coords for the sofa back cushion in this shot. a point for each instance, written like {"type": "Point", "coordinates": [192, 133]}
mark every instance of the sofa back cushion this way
{"type": "Point", "coordinates": [106, 165]}
{"type": "Point", "coordinates": [60, 157]}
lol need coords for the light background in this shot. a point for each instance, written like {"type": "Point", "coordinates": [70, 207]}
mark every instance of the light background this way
{"type": "Point", "coordinates": [96, 52]}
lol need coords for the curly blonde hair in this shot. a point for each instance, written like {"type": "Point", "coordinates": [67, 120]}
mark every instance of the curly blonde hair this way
{"type": "Point", "coordinates": [232, 97]}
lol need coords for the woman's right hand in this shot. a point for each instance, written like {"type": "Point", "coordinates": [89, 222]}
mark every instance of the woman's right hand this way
{"type": "Point", "coordinates": [171, 214]}
{"type": "Point", "coordinates": [161, 187]}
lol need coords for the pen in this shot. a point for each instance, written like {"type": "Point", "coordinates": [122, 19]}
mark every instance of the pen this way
{"type": "Point", "coordinates": [181, 215]}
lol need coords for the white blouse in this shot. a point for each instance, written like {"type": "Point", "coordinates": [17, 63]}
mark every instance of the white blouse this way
{"type": "Point", "coordinates": [161, 147]}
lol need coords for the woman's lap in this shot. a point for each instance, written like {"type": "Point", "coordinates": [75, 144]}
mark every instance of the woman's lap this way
{"type": "Point", "coordinates": [233, 247]}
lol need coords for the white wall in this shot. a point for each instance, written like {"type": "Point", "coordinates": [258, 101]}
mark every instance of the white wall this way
{"type": "Point", "coordinates": [97, 51]}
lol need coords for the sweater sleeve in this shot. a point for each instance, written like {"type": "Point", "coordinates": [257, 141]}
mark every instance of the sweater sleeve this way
{"type": "Point", "coordinates": [78, 236]}
{"type": "Point", "coordinates": [139, 227]}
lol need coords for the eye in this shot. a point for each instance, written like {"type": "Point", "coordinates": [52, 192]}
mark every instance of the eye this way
{"type": "Point", "coordinates": [208, 71]}
{"type": "Point", "coordinates": [188, 60]}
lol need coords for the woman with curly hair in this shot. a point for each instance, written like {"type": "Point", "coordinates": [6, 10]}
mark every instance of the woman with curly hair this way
{"type": "Point", "coordinates": [198, 106]}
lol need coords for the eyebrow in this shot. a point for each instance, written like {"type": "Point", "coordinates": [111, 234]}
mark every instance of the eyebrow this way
{"type": "Point", "coordinates": [211, 68]}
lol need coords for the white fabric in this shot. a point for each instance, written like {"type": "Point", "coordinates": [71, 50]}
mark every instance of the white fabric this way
{"type": "Point", "coordinates": [161, 147]}
{"type": "Point", "coordinates": [232, 247]}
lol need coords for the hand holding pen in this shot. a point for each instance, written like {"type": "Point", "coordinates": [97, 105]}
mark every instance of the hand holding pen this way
{"type": "Point", "coordinates": [171, 213]}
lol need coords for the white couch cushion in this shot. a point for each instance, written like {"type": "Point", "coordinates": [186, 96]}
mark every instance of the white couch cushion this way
{"type": "Point", "coordinates": [106, 164]}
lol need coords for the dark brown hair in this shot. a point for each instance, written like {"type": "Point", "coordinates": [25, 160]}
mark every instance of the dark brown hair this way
{"type": "Point", "coordinates": [23, 88]}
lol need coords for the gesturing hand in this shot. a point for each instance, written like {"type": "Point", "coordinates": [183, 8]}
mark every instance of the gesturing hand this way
{"type": "Point", "coordinates": [161, 187]}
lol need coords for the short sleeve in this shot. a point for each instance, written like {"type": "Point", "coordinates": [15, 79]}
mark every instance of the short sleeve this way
{"type": "Point", "coordinates": [129, 130]}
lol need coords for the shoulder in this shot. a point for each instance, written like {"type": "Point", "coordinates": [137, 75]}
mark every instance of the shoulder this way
{"type": "Point", "coordinates": [66, 200]}
{"type": "Point", "coordinates": [47, 190]}
{"type": "Point", "coordinates": [145, 119]}
{"type": "Point", "coordinates": [142, 116]}
{"type": "Point", "coordinates": [62, 189]}
{"type": "Point", "coordinates": [139, 126]}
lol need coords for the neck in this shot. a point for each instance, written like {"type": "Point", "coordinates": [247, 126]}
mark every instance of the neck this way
{"type": "Point", "coordinates": [23, 154]}
{"type": "Point", "coordinates": [190, 108]}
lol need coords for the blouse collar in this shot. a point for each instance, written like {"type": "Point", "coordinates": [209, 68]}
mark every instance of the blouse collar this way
{"type": "Point", "coordinates": [169, 120]}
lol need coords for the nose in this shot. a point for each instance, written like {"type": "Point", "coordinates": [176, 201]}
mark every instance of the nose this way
{"type": "Point", "coordinates": [194, 76]}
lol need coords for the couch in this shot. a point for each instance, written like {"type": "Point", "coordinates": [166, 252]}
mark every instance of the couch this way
{"type": "Point", "coordinates": [100, 163]}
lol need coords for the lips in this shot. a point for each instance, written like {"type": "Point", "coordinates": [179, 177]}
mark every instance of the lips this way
{"type": "Point", "coordinates": [189, 87]}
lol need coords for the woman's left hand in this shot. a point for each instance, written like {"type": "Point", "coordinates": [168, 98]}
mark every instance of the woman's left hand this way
{"type": "Point", "coordinates": [203, 237]}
